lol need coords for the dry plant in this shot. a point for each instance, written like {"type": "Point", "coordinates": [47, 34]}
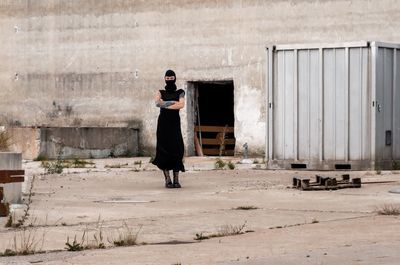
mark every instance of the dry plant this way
{"type": "Point", "coordinates": [4, 141]}
{"type": "Point", "coordinates": [139, 162]}
{"type": "Point", "coordinates": [98, 238]}
{"type": "Point", "coordinates": [25, 216]}
{"type": "Point", "coordinates": [231, 165]}
{"type": "Point", "coordinates": [314, 221]}
{"type": "Point", "coordinates": [388, 209]}
{"type": "Point", "coordinates": [28, 203]}
{"type": "Point", "coordinates": [219, 163]}
{"type": "Point", "coordinates": [246, 208]}
{"type": "Point", "coordinates": [26, 242]}
{"type": "Point", "coordinates": [88, 240]}
{"type": "Point", "coordinates": [126, 236]}
{"type": "Point", "coordinates": [116, 165]}
{"type": "Point", "coordinates": [75, 245]}
{"type": "Point", "coordinates": [53, 167]}
{"type": "Point", "coordinates": [226, 230]}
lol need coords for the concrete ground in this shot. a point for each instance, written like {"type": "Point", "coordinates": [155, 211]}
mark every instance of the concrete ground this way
{"type": "Point", "coordinates": [287, 227]}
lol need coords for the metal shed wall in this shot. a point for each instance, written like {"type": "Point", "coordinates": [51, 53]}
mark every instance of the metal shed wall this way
{"type": "Point", "coordinates": [321, 105]}
{"type": "Point", "coordinates": [387, 102]}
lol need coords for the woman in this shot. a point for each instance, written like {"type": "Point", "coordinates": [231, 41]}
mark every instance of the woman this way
{"type": "Point", "coordinates": [170, 149]}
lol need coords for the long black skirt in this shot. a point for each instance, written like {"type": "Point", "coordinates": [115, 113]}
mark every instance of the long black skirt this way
{"type": "Point", "coordinates": [170, 148]}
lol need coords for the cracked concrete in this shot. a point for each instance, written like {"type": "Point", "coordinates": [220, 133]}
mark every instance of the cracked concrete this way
{"type": "Point", "coordinates": [290, 226]}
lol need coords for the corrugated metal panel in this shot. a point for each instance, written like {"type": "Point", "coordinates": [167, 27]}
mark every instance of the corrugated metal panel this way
{"type": "Point", "coordinates": [336, 103]}
{"type": "Point", "coordinates": [396, 109]}
{"type": "Point", "coordinates": [334, 119]}
{"type": "Point", "coordinates": [308, 104]}
{"type": "Point", "coordinates": [387, 100]}
{"type": "Point", "coordinates": [359, 105]}
{"type": "Point", "coordinates": [284, 100]}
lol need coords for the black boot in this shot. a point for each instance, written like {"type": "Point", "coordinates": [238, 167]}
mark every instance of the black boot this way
{"type": "Point", "coordinates": [176, 180]}
{"type": "Point", "coordinates": [168, 182]}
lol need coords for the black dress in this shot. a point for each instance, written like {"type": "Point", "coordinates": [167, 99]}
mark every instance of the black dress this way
{"type": "Point", "coordinates": [170, 149]}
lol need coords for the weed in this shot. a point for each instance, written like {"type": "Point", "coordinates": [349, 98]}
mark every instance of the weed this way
{"type": "Point", "coordinates": [75, 245]}
{"type": "Point", "coordinates": [246, 208]}
{"type": "Point", "coordinates": [98, 239]}
{"type": "Point", "coordinates": [28, 202]}
{"type": "Point", "coordinates": [229, 230]}
{"type": "Point", "coordinates": [314, 221]}
{"type": "Point", "coordinates": [200, 236]}
{"type": "Point", "coordinates": [378, 170]}
{"type": "Point", "coordinates": [126, 236]}
{"type": "Point", "coordinates": [53, 167]}
{"type": "Point", "coordinates": [8, 252]}
{"type": "Point", "coordinates": [10, 221]}
{"type": "Point", "coordinates": [231, 165]}
{"type": "Point", "coordinates": [226, 230]}
{"type": "Point", "coordinates": [396, 165]}
{"type": "Point", "coordinates": [4, 141]}
{"type": "Point", "coordinates": [219, 164]}
{"type": "Point", "coordinates": [116, 165]}
{"type": "Point", "coordinates": [151, 160]}
{"type": "Point", "coordinates": [388, 209]}
{"type": "Point", "coordinates": [79, 163]}
{"type": "Point", "coordinates": [25, 242]}
{"type": "Point", "coordinates": [137, 169]}
{"type": "Point", "coordinates": [40, 158]}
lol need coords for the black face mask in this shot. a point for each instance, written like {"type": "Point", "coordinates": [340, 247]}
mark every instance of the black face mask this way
{"type": "Point", "coordinates": [170, 83]}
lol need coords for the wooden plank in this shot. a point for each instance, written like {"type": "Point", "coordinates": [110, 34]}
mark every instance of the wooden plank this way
{"type": "Point", "coordinates": [9, 173]}
{"type": "Point", "coordinates": [214, 129]}
{"type": "Point", "coordinates": [5, 180]}
{"type": "Point", "coordinates": [216, 152]}
{"type": "Point", "coordinates": [213, 141]}
{"type": "Point", "coordinates": [11, 176]}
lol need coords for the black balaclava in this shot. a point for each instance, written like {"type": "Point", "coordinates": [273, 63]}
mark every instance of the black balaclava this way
{"type": "Point", "coordinates": [170, 83]}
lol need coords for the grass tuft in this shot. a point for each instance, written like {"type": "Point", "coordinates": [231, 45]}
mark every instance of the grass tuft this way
{"type": "Point", "coordinates": [226, 230]}
{"type": "Point", "coordinates": [126, 236]}
{"type": "Point", "coordinates": [246, 208]}
{"type": "Point", "coordinates": [4, 141]}
{"type": "Point", "coordinates": [388, 209]}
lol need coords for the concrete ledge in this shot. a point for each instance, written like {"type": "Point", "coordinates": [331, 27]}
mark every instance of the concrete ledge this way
{"type": "Point", "coordinates": [74, 142]}
{"type": "Point", "coordinates": [88, 142]}
{"type": "Point", "coordinates": [12, 191]}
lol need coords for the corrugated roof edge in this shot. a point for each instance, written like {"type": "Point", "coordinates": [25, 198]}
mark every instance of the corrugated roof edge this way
{"type": "Point", "coordinates": [307, 46]}
{"type": "Point", "coordinates": [385, 44]}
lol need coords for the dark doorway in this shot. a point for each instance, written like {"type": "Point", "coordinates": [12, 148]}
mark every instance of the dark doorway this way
{"type": "Point", "coordinates": [214, 118]}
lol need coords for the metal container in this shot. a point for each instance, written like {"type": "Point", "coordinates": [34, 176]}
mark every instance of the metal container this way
{"type": "Point", "coordinates": [333, 106]}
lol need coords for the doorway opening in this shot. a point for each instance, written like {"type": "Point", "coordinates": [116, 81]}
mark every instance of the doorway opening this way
{"type": "Point", "coordinates": [213, 119]}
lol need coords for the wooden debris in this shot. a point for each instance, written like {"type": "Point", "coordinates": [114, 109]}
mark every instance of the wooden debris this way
{"type": "Point", "coordinates": [326, 183]}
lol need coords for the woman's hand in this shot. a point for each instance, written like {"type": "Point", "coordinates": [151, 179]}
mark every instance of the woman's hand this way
{"type": "Point", "coordinates": [178, 104]}
{"type": "Point", "coordinates": [157, 97]}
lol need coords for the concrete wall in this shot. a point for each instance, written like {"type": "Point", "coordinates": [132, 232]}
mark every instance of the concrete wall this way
{"type": "Point", "coordinates": [88, 142]}
{"type": "Point", "coordinates": [99, 62]}
{"type": "Point", "coordinates": [26, 141]}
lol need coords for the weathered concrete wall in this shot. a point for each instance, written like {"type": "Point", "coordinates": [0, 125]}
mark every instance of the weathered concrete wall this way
{"type": "Point", "coordinates": [26, 141]}
{"type": "Point", "coordinates": [88, 142]}
{"type": "Point", "coordinates": [98, 63]}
